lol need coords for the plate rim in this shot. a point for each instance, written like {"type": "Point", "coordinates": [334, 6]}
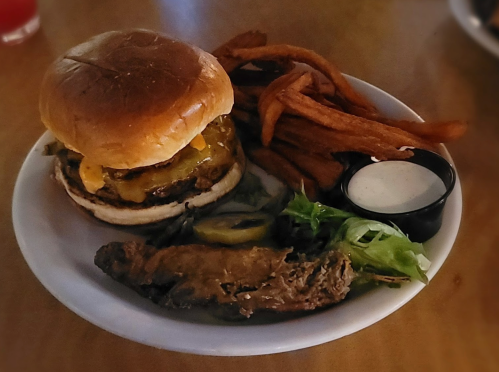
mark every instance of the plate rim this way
{"type": "Point", "coordinates": [471, 23]}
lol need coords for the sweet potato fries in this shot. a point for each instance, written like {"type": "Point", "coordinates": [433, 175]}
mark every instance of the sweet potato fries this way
{"type": "Point", "coordinates": [303, 116]}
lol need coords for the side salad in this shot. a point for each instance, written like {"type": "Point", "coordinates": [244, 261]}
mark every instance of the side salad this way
{"type": "Point", "coordinates": [373, 247]}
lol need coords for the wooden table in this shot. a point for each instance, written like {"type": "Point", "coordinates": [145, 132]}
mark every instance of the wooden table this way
{"type": "Point", "coordinates": [412, 49]}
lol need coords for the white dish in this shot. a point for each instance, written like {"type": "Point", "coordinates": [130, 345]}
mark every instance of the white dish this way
{"type": "Point", "coordinates": [59, 243]}
{"type": "Point", "coordinates": [465, 14]}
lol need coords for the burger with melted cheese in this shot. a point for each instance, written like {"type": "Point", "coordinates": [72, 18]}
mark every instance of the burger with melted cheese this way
{"type": "Point", "coordinates": [142, 120]}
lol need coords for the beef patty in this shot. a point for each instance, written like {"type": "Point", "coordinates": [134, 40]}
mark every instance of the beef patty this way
{"type": "Point", "coordinates": [190, 172]}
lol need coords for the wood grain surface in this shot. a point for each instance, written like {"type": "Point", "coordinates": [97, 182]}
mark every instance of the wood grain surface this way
{"type": "Point", "coordinates": [413, 49]}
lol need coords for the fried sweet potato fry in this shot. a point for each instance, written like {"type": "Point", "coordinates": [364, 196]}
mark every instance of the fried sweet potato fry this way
{"type": "Point", "coordinates": [438, 132]}
{"type": "Point", "coordinates": [316, 138]}
{"type": "Point", "coordinates": [283, 65]}
{"type": "Point", "coordinates": [270, 92]}
{"type": "Point", "coordinates": [343, 122]}
{"type": "Point", "coordinates": [324, 87]}
{"type": "Point", "coordinates": [270, 108]}
{"type": "Point", "coordinates": [309, 57]}
{"type": "Point", "coordinates": [280, 167]}
{"type": "Point", "coordinates": [277, 85]}
{"type": "Point", "coordinates": [325, 171]}
{"type": "Point", "coordinates": [247, 39]}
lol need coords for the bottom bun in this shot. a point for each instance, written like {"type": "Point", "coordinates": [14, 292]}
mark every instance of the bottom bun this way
{"type": "Point", "coordinates": [128, 216]}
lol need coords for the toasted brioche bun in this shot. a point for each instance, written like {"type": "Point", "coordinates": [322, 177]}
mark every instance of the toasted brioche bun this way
{"type": "Point", "coordinates": [127, 99]}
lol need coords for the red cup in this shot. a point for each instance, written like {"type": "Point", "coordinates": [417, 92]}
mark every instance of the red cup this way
{"type": "Point", "coordinates": [18, 20]}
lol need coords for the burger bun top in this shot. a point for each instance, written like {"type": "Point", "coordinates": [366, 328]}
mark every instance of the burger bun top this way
{"type": "Point", "coordinates": [126, 99]}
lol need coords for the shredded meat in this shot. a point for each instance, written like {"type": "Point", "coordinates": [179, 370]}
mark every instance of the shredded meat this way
{"type": "Point", "coordinates": [246, 279]}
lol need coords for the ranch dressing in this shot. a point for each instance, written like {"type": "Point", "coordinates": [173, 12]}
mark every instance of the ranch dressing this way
{"type": "Point", "coordinates": [395, 187]}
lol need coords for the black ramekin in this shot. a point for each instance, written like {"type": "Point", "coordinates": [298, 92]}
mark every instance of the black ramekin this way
{"type": "Point", "coordinates": [420, 224]}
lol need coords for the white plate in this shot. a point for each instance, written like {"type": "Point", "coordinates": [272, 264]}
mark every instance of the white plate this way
{"type": "Point", "coordinates": [59, 242]}
{"type": "Point", "coordinates": [465, 14]}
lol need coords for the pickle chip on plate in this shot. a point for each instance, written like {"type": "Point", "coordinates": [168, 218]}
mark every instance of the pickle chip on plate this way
{"type": "Point", "coordinates": [233, 228]}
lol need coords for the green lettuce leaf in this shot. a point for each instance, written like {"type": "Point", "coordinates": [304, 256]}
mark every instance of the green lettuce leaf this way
{"type": "Point", "coordinates": [383, 249]}
{"type": "Point", "coordinates": [316, 214]}
{"type": "Point", "coordinates": [372, 246]}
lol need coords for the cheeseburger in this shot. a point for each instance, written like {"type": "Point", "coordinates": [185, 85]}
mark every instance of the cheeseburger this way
{"type": "Point", "coordinates": [141, 120]}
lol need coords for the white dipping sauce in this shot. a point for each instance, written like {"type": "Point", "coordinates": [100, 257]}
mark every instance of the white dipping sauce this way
{"type": "Point", "coordinates": [395, 187]}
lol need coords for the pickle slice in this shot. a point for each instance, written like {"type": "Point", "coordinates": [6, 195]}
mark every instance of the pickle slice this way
{"type": "Point", "coordinates": [233, 228]}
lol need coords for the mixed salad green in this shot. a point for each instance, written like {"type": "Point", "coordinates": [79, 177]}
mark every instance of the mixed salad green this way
{"type": "Point", "coordinates": [372, 246]}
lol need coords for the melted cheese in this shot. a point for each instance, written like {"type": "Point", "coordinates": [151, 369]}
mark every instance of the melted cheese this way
{"type": "Point", "coordinates": [218, 138]}
{"type": "Point", "coordinates": [214, 148]}
{"type": "Point", "coordinates": [198, 142]}
{"type": "Point", "coordinates": [91, 175]}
